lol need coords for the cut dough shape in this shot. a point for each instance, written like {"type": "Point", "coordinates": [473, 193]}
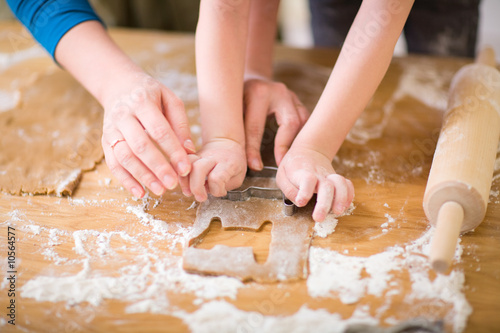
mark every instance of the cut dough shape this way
{"type": "Point", "coordinates": [288, 251]}
{"type": "Point", "coordinates": [50, 136]}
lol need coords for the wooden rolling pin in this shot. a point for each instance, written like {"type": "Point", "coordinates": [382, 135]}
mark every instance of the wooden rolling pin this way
{"type": "Point", "coordinates": [459, 182]}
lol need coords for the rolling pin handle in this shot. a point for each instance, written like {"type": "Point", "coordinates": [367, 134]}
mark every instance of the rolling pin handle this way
{"type": "Point", "coordinates": [444, 242]}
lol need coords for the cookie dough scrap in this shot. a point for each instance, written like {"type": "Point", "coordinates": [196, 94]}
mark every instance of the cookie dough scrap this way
{"type": "Point", "coordinates": [49, 136]}
{"type": "Point", "coordinates": [288, 251]}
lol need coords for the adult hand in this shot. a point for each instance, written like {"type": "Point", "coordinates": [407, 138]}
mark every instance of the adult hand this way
{"type": "Point", "coordinates": [262, 98]}
{"type": "Point", "coordinates": [304, 172]}
{"type": "Point", "coordinates": [144, 124]}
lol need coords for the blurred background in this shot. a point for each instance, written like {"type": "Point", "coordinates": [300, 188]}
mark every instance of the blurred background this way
{"type": "Point", "coordinates": [294, 19]}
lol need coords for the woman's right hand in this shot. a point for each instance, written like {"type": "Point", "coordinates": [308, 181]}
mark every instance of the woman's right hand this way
{"type": "Point", "coordinates": [146, 134]}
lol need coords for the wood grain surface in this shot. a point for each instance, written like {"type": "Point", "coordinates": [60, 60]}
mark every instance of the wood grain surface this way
{"type": "Point", "coordinates": [389, 169]}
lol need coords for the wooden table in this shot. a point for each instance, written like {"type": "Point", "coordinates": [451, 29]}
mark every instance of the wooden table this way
{"type": "Point", "coordinates": [388, 157]}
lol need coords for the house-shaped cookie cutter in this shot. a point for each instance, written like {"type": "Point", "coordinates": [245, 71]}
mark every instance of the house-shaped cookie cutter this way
{"type": "Point", "coordinates": [245, 193]}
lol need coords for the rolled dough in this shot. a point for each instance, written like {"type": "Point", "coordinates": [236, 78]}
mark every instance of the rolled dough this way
{"type": "Point", "coordinates": [49, 135]}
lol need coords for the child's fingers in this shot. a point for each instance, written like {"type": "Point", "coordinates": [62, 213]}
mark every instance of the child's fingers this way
{"type": "Point", "coordinates": [287, 187]}
{"type": "Point", "coordinates": [307, 185]}
{"type": "Point", "coordinates": [184, 181]}
{"type": "Point", "coordinates": [350, 188]}
{"type": "Point", "coordinates": [341, 193]}
{"type": "Point", "coordinates": [198, 176]}
{"type": "Point", "coordinates": [217, 180]}
{"type": "Point", "coordinates": [325, 198]}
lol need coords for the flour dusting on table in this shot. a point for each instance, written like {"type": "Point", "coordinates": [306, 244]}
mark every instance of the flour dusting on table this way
{"type": "Point", "coordinates": [219, 316]}
{"type": "Point", "coordinates": [349, 278]}
{"type": "Point", "coordinates": [143, 281]}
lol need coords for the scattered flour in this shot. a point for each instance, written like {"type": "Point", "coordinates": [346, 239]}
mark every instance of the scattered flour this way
{"type": "Point", "coordinates": [9, 100]}
{"type": "Point", "coordinates": [333, 274]}
{"type": "Point", "coordinates": [10, 59]}
{"type": "Point", "coordinates": [218, 316]}
{"type": "Point", "coordinates": [159, 226]}
{"type": "Point", "coordinates": [145, 284]}
{"type": "Point", "coordinates": [193, 205]}
{"type": "Point", "coordinates": [144, 281]}
{"type": "Point", "coordinates": [327, 227]}
{"type": "Point", "coordinates": [33, 228]}
{"type": "Point", "coordinates": [390, 219]}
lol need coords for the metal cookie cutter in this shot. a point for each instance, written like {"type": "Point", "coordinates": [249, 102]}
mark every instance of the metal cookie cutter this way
{"type": "Point", "coordinates": [262, 192]}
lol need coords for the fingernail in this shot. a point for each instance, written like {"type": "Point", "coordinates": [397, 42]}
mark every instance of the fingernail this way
{"type": "Point", "coordinates": [136, 192]}
{"type": "Point", "coordinates": [156, 188]}
{"type": "Point", "coordinates": [169, 182]}
{"type": "Point", "coordinates": [200, 198]}
{"type": "Point", "coordinates": [187, 193]}
{"type": "Point", "coordinates": [256, 164]}
{"type": "Point", "coordinates": [301, 202]}
{"type": "Point", "coordinates": [183, 168]}
{"type": "Point", "coordinates": [189, 145]}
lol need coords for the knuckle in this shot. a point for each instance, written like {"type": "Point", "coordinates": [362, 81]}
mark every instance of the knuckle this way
{"type": "Point", "coordinates": [255, 130]}
{"type": "Point", "coordinates": [140, 146]}
{"type": "Point", "coordinates": [335, 177]}
{"type": "Point", "coordinates": [177, 155]}
{"type": "Point", "coordinates": [280, 87]}
{"type": "Point", "coordinates": [147, 178]}
{"type": "Point", "coordinates": [126, 159]}
{"type": "Point", "coordinates": [218, 178]}
{"type": "Point", "coordinates": [128, 182]}
{"type": "Point", "coordinates": [159, 133]}
{"type": "Point", "coordinates": [198, 190]}
{"type": "Point", "coordinates": [108, 127]}
{"type": "Point", "coordinates": [183, 127]}
{"type": "Point", "coordinates": [115, 169]}
{"type": "Point", "coordinates": [259, 90]}
{"type": "Point", "coordinates": [175, 103]}
{"type": "Point", "coordinates": [293, 122]}
{"type": "Point", "coordinates": [229, 6]}
{"type": "Point", "coordinates": [162, 170]}
{"type": "Point", "coordinates": [119, 110]}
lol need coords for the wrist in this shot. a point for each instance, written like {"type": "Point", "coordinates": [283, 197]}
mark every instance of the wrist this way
{"type": "Point", "coordinates": [316, 138]}
{"type": "Point", "coordinates": [118, 82]}
{"type": "Point", "coordinates": [211, 137]}
{"type": "Point", "coordinates": [249, 75]}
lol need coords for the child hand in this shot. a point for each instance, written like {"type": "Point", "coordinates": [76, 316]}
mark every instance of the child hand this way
{"type": "Point", "coordinates": [220, 167]}
{"type": "Point", "coordinates": [304, 172]}
{"type": "Point", "coordinates": [262, 98]}
{"type": "Point", "coordinates": [143, 123]}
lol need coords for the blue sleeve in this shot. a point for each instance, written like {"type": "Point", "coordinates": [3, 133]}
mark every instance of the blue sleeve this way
{"type": "Point", "coordinates": [49, 20]}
